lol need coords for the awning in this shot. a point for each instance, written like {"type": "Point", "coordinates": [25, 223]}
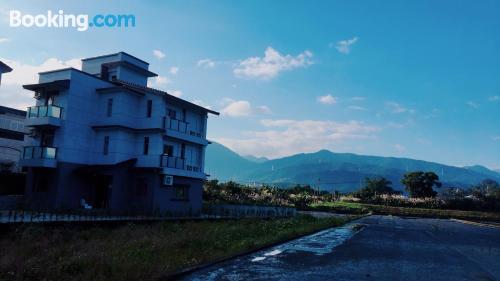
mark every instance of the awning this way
{"type": "Point", "coordinates": [56, 85]}
{"type": "Point", "coordinates": [96, 169]}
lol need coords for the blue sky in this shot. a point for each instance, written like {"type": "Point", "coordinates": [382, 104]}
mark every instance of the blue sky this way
{"type": "Point", "coordinates": [418, 79]}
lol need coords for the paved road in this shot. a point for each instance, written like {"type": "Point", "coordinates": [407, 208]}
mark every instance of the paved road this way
{"type": "Point", "coordinates": [388, 248]}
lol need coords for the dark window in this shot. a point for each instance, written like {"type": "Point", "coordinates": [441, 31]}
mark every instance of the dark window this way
{"type": "Point", "coordinates": [172, 114]}
{"type": "Point", "coordinates": [184, 115]}
{"type": "Point", "coordinates": [141, 187]}
{"type": "Point", "coordinates": [47, 138]}
{"type": "Point", "coordinates": [41, 181]}
{"type": "Point", "coordinates": [104, 72]}
{"type": "Point", "coordinates": [105, 150]}
{"type": "Point", "coordinates": [146, 146]}
{"type": "Point", "coordinates": [181, 192]}
{"type": "Point", "coordinates": [113, 78]}
{"type": "Point", "coordinates": [183, 151]}
{"type": "Point", "coordinates": [13, 135]}
{"type": "Point", "coordinates": [168, 150]}
{"type": "Point", "coordinates": [150, 108]}
{"type": "Point", "coordinates": [109, 109]}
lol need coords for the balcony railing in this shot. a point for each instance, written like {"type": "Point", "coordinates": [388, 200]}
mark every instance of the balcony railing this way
{"type": "Point", "coordinates": [44, 111]}
{"type": "Point", "coordinates": [176, 125]}
{"type": "Point", "coordinates": [172, 162]}
{"type": "Point", "coordinates": [39, 152]}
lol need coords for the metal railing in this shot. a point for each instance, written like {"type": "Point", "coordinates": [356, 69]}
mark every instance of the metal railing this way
{"type": "Point", "coordinates": [44, 111]}
{"type": "Point", "coordinates": [39, 152]}
{"type": "Point", "coordinates": [176, 125]}
{"type": "Point", "coordinates": [172, 162]}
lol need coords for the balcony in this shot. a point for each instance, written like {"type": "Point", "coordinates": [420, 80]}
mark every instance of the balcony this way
{"type": "Point", "coordinates": [44, 115]}
{"type": "Point", "coordinates": [177, 166]}
{"type": "Point", "coordinates": [172, 162]}
{"type": "Point", "coordinates": [39, 156]}
{"type": "Point", "coordinates": [180, 130]}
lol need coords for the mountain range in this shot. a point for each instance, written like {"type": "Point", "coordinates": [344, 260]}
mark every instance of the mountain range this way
{"type": "Point", "coordinates": [332, 171]}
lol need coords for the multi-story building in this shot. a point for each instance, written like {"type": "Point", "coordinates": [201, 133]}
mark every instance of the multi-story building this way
{"type": "Point", "coordinates": [4, 69]}
{"type": "Point", "coordinates": [100, 137]}
{"type": "Point", "coordinates": [11, 138]}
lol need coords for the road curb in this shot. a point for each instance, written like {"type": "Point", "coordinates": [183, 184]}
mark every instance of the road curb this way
{"type": "Point", "coordinates": [476, 223]}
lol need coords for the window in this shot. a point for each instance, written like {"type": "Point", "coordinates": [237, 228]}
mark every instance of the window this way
{"type": "Point", "coordinates": [104, 72]}
{"type": "Point", "coordinates": [105, 149]}
{"type": "Point", "coordinates": [141, 187]}
{"type": "Point", "coordinates": [168, 150]}
{"type": "Point", "coordinates": [184, 114]}
{"type": "Point", "coordinates": [109, 109]}
{"type": "Point", "coordinates": [41, 181]}
{"type": "Point", "coordinates": [183, 151]}
{"type": "Point", "coordinates": [146, 146]}
{"type": "Point", "coordinates": [181, 192]}
{"type": "Point", "coordinates": [172, 114]}
{"type": "Point", "coordinates": [150, 108]}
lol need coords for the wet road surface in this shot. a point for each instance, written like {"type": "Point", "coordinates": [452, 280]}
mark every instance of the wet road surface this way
{"type": "Point", "coordinates": [387, 248]}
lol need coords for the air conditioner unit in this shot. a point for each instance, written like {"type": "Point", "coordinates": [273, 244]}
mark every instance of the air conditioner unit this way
{"type": "Point", "coordinates": [168, 180]}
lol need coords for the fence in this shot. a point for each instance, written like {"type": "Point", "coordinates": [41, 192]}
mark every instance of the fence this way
{"type": "Point", "coordinates": [209, 211]}
{"type": "Point", "coordinates": [245, 211]}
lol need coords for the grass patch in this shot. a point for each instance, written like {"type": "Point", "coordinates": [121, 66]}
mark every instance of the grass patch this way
{"type": "Point", "coordinates": [137, 251]}
{"type": "Point", "coordinates": [359, 208]}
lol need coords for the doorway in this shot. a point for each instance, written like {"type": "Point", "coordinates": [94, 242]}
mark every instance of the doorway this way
{"type": "Point", "coordinates": [102, 191]}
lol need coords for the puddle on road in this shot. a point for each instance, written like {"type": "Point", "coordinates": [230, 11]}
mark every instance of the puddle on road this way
{"type": "Point", "coordinates": [319, 243]}
{"type": "Point", "coordinates": [278, 258]}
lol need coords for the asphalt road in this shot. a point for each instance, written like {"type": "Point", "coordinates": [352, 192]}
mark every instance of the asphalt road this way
{"type": "Point", "coordinates": [387, 248]}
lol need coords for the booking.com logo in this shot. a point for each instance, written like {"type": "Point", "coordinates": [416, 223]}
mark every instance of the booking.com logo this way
{"type": "Point", "coordinates": [81, 22]}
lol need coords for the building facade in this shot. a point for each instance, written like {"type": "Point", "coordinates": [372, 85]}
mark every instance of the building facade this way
{"type": "Point", "coordinates": [100, 138]}
{"type": "Point", "coordinates": [11, 138]}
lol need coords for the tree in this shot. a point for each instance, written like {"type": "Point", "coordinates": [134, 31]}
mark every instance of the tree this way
{"type": "Point", "coordinates": [374, 186]}
{"type": "Point", "coordinates": [420, 184]}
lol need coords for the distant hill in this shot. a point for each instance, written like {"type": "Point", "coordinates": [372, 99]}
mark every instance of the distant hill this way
{"type": "Point", "coordinates": [333, 171]}
{"type": "Point", "coordinates": [256, 159]}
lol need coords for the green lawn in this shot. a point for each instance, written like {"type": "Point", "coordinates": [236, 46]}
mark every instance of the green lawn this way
{"type": "Point", "coordinates": [137, 251]}
{"type": "Point", "coordinates": [359, 208]}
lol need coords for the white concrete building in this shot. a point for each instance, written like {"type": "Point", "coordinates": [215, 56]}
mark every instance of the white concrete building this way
{"type": "Point", "coordinates": [101, 135]}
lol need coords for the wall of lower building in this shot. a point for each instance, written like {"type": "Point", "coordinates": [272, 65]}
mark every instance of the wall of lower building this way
{"type": "Point", "coordinates": [68, 185]}
{"type": "Point", "coordinates": [165, 201]}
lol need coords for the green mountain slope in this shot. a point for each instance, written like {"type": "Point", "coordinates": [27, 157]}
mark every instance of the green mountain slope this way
{"type": "Point", "coordinates": [333, 171]}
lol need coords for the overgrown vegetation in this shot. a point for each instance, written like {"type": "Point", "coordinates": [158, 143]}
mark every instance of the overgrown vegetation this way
{"type": "Point", "coordinates": [376, 191]}
{"type": "Point", "coordinates": [137, 251]}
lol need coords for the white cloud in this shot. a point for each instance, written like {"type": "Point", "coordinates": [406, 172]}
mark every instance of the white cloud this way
{"type": "Point", "coordinates": [356, 107]}
{"type": "Point", "coordinates": [201, 103]}
{"type": "Point", "coordinates": [175, 93]}
{"type": "Point", "coordinates": [472, 104]}
{"type": "Point", "coordinates": [328, 99]}
{"type": "Point", "coordinates": [271, 64]}
{"type": "Point", "coordinates": [282, 137]}
{"type": "Point", "coordinates": [399, 147]}
{"type": "Point", "coordinates": [344, 46]}
{"type": "Point", "coordinates": [174, 70]}
{"type": "Point", "coordinates": [162, 80]}
{"type": "Point", "coordinates": [263, 109]}
{"type": "Point", "coordinates": [206, 63]}
{"type": "Point", "coordinates": [159, 54]}
{"type": "Point", "coordinates": [494, 98]}
{"type": "Point", "coordinates": [497, 138]}
{"type": "Point", "coordinates": [237, 109]}
{"type": "Point", "coordinates": [397, 108]}
{"type": "Point", "coordinates": [13, 95]}
{"type": "Point", "coordinates": [242, 108]}
{"type": "Point", "coordinates": [4, 40]}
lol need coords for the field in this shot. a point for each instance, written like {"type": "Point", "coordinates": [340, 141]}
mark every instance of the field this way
{"type": "Point", "coordinates": [360, 208]}
{"type": "Point", "coordinates": [137, 251]}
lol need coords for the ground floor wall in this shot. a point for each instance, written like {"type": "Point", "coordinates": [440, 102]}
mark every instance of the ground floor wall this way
{"type": "Point", "coordinates": [115, 190]}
